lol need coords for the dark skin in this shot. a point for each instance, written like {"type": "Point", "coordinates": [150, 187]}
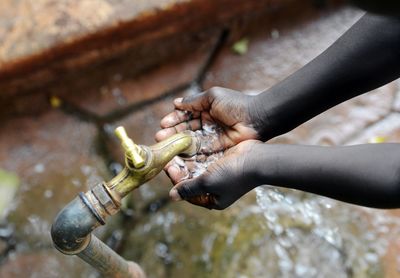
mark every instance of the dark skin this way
{"type": "Point", "coordinates": [366, 57]}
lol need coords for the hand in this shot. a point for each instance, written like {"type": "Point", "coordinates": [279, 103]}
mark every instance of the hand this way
{"type": "Point", "coordinates": [223, 182]}
{"type": "Point", "coordinates": [228, 109]}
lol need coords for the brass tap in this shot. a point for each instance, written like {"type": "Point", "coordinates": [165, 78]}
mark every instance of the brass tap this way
{"type": "Point", "coordinates": [142, 163]}
{"type": "Point", "coordinates": [133, 152]}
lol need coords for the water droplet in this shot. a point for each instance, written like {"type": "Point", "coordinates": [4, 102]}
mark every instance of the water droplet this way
{"type": "Point", "coordinates": [48, 194]}
{"type": "Point", "coordinates": [275, 34]}
{"type": "Point", "coordinates": [39, 168]}
{"type": "Point", "coordinates": [118, 95]}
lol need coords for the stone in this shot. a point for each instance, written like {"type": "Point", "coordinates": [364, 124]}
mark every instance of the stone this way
{"type": "Point", "coordinates": [54, 157]}
{"type": "Point", "coordinates": [49, 39]}
{"type": "Point", "coordinates": [45, 264]}
{"type": "Point", "coordinates": [387, 128]}
{"type": "Point", "coordinates": [116, 89]}
{"type": "Point", "coordinates": [271, 58]}
{"type": "Point", "coordinates": [341, 124]}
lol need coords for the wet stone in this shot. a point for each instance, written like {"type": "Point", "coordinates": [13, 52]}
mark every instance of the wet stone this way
{"type": "Point", "coordinates": [388, 128]}
{"type": "Point", "coordinates": [345, 121]}
{"type": "Point", "coordinates": [29, 29]}
{"type": "Point", "coordinates": [280, 49]}
{"type": "Point", "coordinates": [184, 240]}
{"type": "Point", "coordinates": [242, 242]}
{"type": "Point", "coordinates": [54, 157]}
{"type": "Point", "coordinates": [44, 264]}
{"type": "Point", "coordinates": [110, 90]}
{"type": "Point", "coordinates": [396, 103]}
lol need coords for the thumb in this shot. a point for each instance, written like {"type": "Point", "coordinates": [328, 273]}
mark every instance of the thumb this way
{"type": "Point", "coordinates": [193, 192]}
{"type": "Point", "coordinates": [197, 102]}
{"type": "Point", "coordinates": [187, 189]}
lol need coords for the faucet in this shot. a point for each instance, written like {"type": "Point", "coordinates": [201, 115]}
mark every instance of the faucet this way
{"type": "Point", "coordinates": [73, 226]}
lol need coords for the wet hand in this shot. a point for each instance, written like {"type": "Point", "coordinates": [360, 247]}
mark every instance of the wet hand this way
{"type": "Point", "coordinates": [224, 181]}
{"type": "Point", "coordinates": [217, 106]}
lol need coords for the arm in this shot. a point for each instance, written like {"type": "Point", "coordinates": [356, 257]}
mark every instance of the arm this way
{"type": "Point", "coordinates": [365, 57]}
{"type": "Point", "coordinates": [367, 175]}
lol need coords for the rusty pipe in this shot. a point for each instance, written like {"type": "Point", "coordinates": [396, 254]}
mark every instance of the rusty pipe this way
{"type": "Point", "coordinates": [71, 234]}
{"type": "Point", "coordinates": [72, 229]}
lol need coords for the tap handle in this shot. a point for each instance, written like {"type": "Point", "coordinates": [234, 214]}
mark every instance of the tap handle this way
{"type": "Point", "coordinates": [133, 151]}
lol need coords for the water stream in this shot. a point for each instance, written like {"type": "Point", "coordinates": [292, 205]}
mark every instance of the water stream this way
{"type": "Point", "coordinates": [349, 240]}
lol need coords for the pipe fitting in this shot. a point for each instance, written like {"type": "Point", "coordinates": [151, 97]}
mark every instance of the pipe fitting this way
{"type": "Point", "coordinates": [72, 227]}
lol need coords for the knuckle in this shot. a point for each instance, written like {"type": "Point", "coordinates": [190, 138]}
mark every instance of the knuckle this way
{"type": "Point", "coordinates": [184, 191]}
{"type": "Point", "coordinates": [218, 205]}
{"type": "Point", "coordinates": [188, 191]}
{"type": "Point", "coordinates": [215, 91]}
{"type": "Point", "coordinates": [187, 99]}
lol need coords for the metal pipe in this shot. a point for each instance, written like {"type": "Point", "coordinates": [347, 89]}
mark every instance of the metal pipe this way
{"type": "Point", "coordinates": [72, 228]}
{"type": "Point", "coordinates": [107, 262]}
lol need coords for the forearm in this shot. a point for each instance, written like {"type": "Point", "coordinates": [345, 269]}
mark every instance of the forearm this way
{"type": "Point", "coordinates": [367, 56]}
{"type": "Point", "coordinates": [367, 175]}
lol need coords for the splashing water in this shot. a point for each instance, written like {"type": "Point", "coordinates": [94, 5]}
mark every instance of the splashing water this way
{"type": "Point", "coordinates": [320, 237]}
{"type": "Point", "coordinates": [198, 164]}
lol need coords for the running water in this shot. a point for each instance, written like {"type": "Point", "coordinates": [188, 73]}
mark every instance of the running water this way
{"type": "Point", "coordinates": [209, 152]}
{"type": "Point", "coordinates": [309, 229]}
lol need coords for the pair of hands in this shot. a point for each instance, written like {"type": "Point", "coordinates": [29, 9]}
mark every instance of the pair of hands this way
{"type": "Point", "coordinates": [225, 180]}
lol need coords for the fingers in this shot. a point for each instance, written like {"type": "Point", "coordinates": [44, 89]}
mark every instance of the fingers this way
{"type": "Point", "coordinates": [169, 131]}
{"type": "Point", "coordinates": [178, 116]}
{"type": "Point", "coordinates": [177, 170]}
{"type": "Point", "coordinates": [186, 174]}
{"type": "Point", "coordinates": [212, 142]}
{"type": "Point", "coordinates": [198, 102]}
{"type": "Point", "coordinates": [187, 189]}
{"type": "Point", "coordinates": [193, 191]}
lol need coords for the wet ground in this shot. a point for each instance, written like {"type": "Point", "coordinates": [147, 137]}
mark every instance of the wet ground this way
{"type": "Point", "coordinates": [60, 142]}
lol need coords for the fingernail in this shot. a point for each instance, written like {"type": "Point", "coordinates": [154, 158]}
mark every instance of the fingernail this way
{"type": "Point", "coordinates": [174, 170]}
{"type": "Point", "coordinates": [178, 100]}
{"type": "Point", "coordinates": [175, 195]}
{"type": "Point", "coordinates": [179, 161]}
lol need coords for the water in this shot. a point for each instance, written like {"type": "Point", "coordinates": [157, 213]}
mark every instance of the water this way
{"type": "Point", "coordinates": [351, 241]}
{"type": "Point", "coordinates": [209, 152]}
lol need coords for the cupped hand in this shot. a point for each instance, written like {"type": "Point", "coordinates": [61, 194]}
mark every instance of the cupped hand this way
{"type": "Point", "coordinates": [225, 108]}
{"type": "Point", "coordinates": [224, 181]}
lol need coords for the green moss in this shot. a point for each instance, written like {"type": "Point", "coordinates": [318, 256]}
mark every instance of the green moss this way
{"type": "Point", "coordinates": [9, 183]}
{"type": "Point", "coordinates": [241, 47]}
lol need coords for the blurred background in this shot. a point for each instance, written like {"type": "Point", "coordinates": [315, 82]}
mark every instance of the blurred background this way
{"type": "Point", "coordinates": [72, 71]}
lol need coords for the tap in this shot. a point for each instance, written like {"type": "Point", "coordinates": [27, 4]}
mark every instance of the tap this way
{"type": "Point", "coordinates": [142, 163]}
{"type": "Point", "coordinates": [72, 229]}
